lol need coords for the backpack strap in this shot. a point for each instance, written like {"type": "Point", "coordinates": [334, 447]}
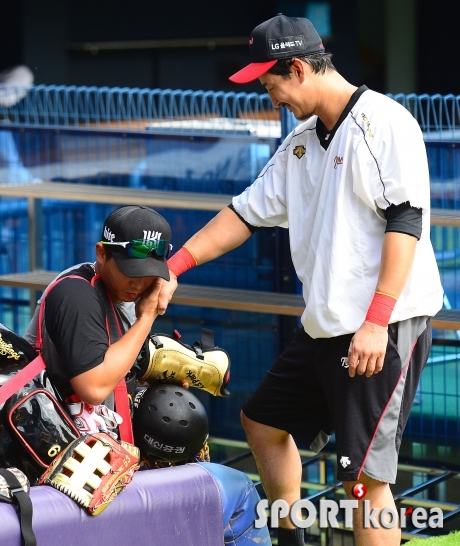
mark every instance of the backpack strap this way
{"type": "Point", "coordinates": [41, 313]}
{"type": "Point", "coordinates": [115, 331]}
{"type": "Point", "coordinates": [25, 506]}
{"type": "Point", "coordinates": [21, 378]}
{"type": "Point", "coordinates": [113, 323]}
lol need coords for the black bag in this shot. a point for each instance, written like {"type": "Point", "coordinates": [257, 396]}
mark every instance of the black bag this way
{"type": "Point", "coordinates": [34, 427]}
{"type": "Point", "coordinates": [14, 489]}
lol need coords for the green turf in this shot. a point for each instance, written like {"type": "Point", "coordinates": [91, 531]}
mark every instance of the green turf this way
{"type": "Point", "coordinates": [453, 539]}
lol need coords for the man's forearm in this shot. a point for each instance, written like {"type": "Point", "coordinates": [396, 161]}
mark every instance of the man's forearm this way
{"type": "Point", "coordinates": [220, 235]}
{"type": "Point", "coordinates": [367, 349]}
{"type": "Point", "coordinates": [397, 257]}
{"type": "Point", "coordinates": [396, 262]}
{"type": "Point", "coordinates": [223, 233]}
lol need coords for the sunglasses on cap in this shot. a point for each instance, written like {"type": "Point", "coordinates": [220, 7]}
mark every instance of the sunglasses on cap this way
{"type": "Point", "coordinates": [141, 248]}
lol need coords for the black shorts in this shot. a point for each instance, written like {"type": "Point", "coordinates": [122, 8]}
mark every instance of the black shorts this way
{"type": "Point", "coordinates": [308, 393]}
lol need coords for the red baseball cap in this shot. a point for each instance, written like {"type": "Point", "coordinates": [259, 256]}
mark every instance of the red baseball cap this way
{"type": "Point", "coordinates": [278, 38]}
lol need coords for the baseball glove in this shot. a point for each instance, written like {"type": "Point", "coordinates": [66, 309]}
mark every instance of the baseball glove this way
{"type": "Point", "coordinates": [92, 470]}
{"type": "Point", "coordinates": [166, 359]}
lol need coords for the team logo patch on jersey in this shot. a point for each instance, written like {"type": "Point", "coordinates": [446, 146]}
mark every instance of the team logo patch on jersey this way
{"type": "Point", "coordinates": [338, 161]}
{"type": "Point", "coordinates": [299, 151]}
{"type": "Point", "coordinates": [368, 125]}
{"type": "Point", "coordinates": [345, 461]}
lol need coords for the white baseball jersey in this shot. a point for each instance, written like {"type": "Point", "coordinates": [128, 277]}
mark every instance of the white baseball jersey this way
{"type": "Point", "coordinates": [333, 200]}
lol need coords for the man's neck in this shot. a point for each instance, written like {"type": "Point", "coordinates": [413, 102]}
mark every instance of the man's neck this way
{"type": "Point", "coordinates": [334, 97]}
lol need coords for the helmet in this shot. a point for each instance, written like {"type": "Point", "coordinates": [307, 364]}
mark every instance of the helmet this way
{"type": "Point", "coordinates": [169, 422]}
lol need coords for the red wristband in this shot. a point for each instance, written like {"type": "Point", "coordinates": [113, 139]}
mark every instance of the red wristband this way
{"type": "Point", "coordinates": [181, 262]}
{"type": "Point", "coordinates": [380, 309]}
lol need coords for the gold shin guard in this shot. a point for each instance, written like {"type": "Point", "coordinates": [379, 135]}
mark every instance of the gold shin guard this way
{"type": "Point", "coordinates": [169, 360]}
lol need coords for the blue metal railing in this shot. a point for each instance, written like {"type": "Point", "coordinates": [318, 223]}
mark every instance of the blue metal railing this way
{"type": "Point", "coordinates": [437, 115]}
{"type": "Point", "coordinates": [104, 107]}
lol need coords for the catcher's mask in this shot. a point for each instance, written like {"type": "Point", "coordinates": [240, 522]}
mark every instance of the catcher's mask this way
{"type": "Point", "coordinates": [169, 423]}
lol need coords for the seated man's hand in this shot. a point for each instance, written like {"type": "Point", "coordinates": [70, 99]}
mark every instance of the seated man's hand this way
{"type": "Point", "coordinates": [147, 304]}
{"type": "Point", "coordinates": [166, 293]}
{"type": "Point", "coordinates": [367, 350]}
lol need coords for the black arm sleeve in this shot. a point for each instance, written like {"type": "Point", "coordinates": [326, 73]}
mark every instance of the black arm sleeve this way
{"type": "Point", "coordinates": [404, 219]}
{"type": "Point", "coordinates": [251, 228]}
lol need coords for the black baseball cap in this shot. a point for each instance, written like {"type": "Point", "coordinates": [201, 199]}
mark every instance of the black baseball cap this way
{"type": "Point", "coordinates": [278, 38]}
{"type": "Point", "coordinates": [134, 222]}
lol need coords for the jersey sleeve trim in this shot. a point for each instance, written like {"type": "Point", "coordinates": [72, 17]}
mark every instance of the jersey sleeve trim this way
{"type": "Point", "coordinates": [373, 156]}
{"type": "Point", "coordinates": [404, 218]}
{"type": "Point", "coordinates": [251, 228]}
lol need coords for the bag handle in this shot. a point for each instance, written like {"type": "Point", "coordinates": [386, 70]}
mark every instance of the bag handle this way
{"type": "Point", "coordinates": [25, 506]}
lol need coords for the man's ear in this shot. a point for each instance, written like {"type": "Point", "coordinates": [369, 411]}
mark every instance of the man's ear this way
{"type": "Point", "coordinates": [298, 70]}
{"type": "Point", "coordinates": [100, 253]}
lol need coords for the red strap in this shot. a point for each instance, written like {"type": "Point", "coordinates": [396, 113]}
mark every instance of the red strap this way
{"type": "Point", "coordinates": [21, 378]}
{"type": "Point", "coordinates": [37, 365]}
{"type": "Point", "coordinates": [41, 311]}
{"type": "Point", "coordinates": [120, 391]}
{"type": "Point", "coordinates": [122, 407]}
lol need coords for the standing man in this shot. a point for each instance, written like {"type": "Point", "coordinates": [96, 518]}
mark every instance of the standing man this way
{"type": "Point", "coordinates": [351, 184]}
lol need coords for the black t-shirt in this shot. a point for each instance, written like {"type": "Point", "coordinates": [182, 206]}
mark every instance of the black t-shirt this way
{"type": "Point", "coordinates": [75, 322]}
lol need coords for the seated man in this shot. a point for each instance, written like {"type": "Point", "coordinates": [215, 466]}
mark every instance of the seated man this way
{"type": "Point", "coordinates": [99, 314]}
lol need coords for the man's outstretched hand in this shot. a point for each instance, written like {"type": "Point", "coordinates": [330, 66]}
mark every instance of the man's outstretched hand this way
{"type": "Point", "coordinates": [166, 293]}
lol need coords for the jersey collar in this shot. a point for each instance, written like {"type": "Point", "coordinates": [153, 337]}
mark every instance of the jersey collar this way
{"type": "Point", "coordinates": [325, 137]}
